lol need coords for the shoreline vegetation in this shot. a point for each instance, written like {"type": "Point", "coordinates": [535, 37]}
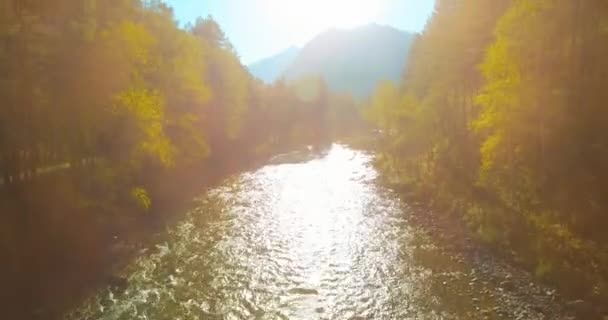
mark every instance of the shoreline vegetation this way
{"type": "Point", "coordinates": [496, 123]}
{"type": "Point", "coordinates": [494, 264]}
{"type": "Point", "coordinates": [161, 110]}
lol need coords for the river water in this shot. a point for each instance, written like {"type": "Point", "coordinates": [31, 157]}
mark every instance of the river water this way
{"type": "Point", "coordinates": [310, 236]}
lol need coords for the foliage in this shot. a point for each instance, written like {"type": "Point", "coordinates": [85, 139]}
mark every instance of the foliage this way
{"type": "Point", "coordinates": [141, 197]}
{"type": "Point", "coordinates": [498, 119]}
{"type": "Point", "coordinates": [121, 105]}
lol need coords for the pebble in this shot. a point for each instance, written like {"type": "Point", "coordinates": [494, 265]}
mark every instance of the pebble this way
{"type": "Point", "coordinates": [508, 285]}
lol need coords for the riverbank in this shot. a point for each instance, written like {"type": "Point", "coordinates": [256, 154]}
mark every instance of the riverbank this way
{"type": "Point", "coordinates": [59, 250]}
{"type": "Point", "coordinates": [521, 294]}
{"type": "Point", "coordinates": [445, 224]}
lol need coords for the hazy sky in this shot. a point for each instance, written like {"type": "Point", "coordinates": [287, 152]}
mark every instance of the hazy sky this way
{"type": "Point", "coordinates": [261, 28]}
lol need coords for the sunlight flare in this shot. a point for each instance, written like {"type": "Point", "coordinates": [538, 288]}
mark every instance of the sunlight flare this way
{"type": "Point", "coordinates": [299, 15]}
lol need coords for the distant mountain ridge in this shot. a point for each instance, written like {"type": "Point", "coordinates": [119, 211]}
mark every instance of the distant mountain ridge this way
{"type": "Point", "coordinates": [270, 69]}
{"type": "Point", "coordinates": [352, 61]}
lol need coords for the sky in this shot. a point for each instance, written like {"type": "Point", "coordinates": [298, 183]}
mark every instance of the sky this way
{"type": "Point", "coordinates": [261, 28]}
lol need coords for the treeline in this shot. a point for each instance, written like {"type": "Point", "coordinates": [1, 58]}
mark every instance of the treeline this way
{"type": "Point", "coordinates": [106, 109]}
{"type": "Point", "coordinates": [121, 84]}
{"type": "Point", "coordinates": [501, 118]}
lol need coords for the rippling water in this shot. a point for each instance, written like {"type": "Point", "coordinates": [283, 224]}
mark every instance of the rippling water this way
{"type": "Point", "coordinates": [317, 239]}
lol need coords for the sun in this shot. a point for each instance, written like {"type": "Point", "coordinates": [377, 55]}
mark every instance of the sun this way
{"type": "Point", "coordinates": [300, 16]}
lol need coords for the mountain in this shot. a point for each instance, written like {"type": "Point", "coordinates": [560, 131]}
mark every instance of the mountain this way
{"type": "Point", "coordinates": [270, 69]}
{"type": "Point", "coordinates": [354, 60]}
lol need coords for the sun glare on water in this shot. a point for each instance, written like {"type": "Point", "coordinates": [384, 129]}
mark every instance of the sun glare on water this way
{"type": "Point", "coordinates": [300, 15]}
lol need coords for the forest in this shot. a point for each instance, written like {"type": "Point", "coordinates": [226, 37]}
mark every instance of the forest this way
{"type": "Point", "coordinates": [500, 120]}
{"type": "Point", "coordinates": [111, 113]}
{"type": "Point", "coordinates": [113, 117]}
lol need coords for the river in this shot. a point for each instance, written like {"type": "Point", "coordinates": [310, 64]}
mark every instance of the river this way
{"type": "Point", "coordinates": [312, 235]}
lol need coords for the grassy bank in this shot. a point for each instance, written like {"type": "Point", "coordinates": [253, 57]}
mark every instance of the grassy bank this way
{"type": "Point", "coordinates": [534, 242]}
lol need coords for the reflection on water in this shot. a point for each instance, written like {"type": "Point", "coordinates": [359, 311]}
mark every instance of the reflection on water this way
{"type": "Point", "coordinates": [312, 240]}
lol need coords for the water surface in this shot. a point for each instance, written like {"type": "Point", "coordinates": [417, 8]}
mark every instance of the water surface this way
{"type": "Point", "coordinates": [315, 239]}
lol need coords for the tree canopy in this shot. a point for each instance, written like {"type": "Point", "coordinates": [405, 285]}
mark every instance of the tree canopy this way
{"type": "Point", "coordinates": [500, 118]}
